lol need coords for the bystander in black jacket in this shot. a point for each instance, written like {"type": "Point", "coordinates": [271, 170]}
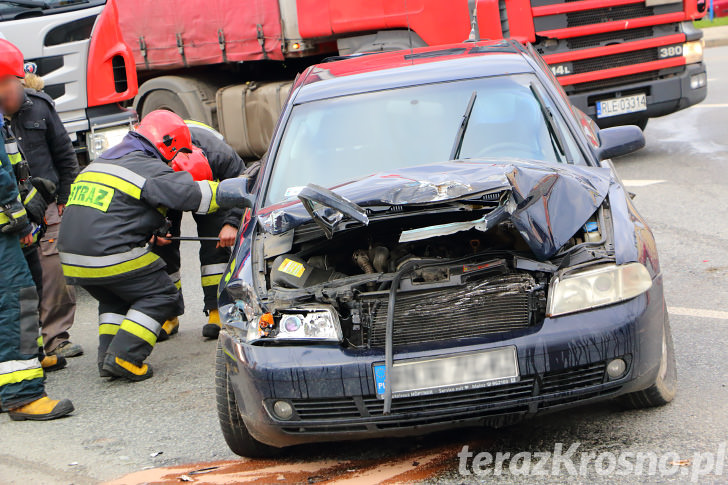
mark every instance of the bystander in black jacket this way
{"type": "Point", "coordinates": [45, 142]}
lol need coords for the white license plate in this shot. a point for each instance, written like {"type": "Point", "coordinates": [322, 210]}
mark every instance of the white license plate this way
{"type": "Point", "coordinates": [620, 106]}
{"type": "Point", "coordinates": [419, 377]}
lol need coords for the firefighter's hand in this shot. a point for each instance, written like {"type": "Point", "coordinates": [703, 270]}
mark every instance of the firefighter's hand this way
{"type": "Point", "coordinates": [160, 241]}
{"type": "Point", "coordinates": [227, 236]}
{"type": "Point", "coordinates": [28, 239]}
{"type": "Point", "coordinates": [61, 207]}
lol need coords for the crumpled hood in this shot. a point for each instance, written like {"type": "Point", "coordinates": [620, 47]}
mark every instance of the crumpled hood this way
{"type": "Point", "coordinates": [549, 203]}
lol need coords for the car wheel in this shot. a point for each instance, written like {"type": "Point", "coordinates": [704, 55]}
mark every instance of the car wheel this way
{"type": "Point", "coordinates": [233, 428]}
{"type": "Point", "coordinates": [665, 387]}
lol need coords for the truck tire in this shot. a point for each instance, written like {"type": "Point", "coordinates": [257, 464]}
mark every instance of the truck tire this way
{"type": "Point", "coordinates": [164, 99]}
{"type": "Point", "coordinates": [232, 425]}
{"type": "Point", "coordinates": [665, 387]}
{"type": "Point", "coordinates": [190, 97]}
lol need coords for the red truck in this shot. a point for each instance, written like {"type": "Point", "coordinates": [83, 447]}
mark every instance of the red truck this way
{"type": "Point", "coordinates": [230, 63]}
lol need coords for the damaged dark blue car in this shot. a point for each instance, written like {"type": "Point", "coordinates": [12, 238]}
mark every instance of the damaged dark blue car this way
{"type": "Point", "coordinates": [437, 238]}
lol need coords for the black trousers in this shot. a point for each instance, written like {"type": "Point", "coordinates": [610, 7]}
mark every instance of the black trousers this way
{"type": "Point", "coordinates": [213, 260]}
{"type": "Point", "coordinates": [131, 313]}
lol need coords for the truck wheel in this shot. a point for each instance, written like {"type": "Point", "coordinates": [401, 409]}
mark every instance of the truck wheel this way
{"type": "Point", "coordinates": [164, 99]}
{"type": "Point", "coordinates": [233, 428]}
{"type": "Point", "coordinates": [665, 387]}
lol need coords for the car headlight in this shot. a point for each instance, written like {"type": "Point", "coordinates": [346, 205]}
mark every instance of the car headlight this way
{"type": "Point", "coordinates": [301, 324]}
{"type": "Point", "coordinates": [693, 51]}
{"type": "Point", "coordinates": [597, 287]}
{"type": "Point", "coordinates": [99, 141]}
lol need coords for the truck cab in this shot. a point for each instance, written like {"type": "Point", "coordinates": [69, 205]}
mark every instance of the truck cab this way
{"type": "Point", "coordinates": [87, 68]}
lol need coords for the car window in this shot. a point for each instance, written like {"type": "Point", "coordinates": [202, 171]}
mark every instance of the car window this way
{"type": "Point", "coordinates": [332, 141]}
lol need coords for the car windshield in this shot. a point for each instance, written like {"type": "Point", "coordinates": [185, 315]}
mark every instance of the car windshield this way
{"type": "Point", "coordinates": [336, 140]}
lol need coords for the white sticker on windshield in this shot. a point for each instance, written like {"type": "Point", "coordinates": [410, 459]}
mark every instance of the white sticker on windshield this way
{"type": "Point", "coordinates": [293, 191]}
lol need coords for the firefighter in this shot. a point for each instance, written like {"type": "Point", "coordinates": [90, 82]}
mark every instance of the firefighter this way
{"type": "Point", "coordinates": [222, 163]}
{"type": "Point", "coordinates": [46, 146]}
{"type": "Point", "coordinates": [22, 390]}
{"type": "Point", "coordinates": [36, 194]}
{"type": "Point", "coordinates": [115, 206]}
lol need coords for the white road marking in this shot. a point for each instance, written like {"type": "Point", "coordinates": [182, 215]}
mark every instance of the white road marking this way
{"type": "Point", "coordinates": [712, 105]}
{"type": "Point", "coordinates": [697, 312]}
{"type": "Point", "coordinates": [641, 183]}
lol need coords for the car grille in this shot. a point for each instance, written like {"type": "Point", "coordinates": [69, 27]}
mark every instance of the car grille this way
{"type": "Point", "coordinates": [496, 305]}
{"type": "Point", "coordinates": [365, 412]}
{"type": "Point", "coordinates": [615, 60]}
{"type": "Point", "coordinates": [574, 378]}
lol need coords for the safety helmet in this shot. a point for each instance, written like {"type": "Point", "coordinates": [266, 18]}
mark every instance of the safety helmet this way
{"type": "Point", "coordinates": [11, 60]}
{"type": "Point", "coordinates": [167, 132]}
{"type": "Point", "coordinates": [195, 163]}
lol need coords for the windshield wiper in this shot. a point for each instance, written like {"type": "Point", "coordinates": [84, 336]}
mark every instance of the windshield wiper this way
{"type": "Point", "coordinates": [557, 138]}
{"type": "Point", "coordinates": [455, 152]}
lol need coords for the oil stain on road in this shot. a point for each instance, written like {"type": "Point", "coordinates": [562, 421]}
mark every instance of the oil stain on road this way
{"type": "Point", "coordinates": [416, 465]}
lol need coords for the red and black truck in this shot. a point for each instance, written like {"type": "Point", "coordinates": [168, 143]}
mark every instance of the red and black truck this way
{"type": "Point", "coordinates": [230, 63]}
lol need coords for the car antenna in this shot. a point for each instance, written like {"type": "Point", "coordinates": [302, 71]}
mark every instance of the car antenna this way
{"type": "Point", "coordinates": [474, 30]}
{"type": "Point", "coordinates": [409, 35]}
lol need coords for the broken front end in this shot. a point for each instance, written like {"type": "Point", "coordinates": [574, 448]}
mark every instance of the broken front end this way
{"type": "Point", "coordinates": [439, 301]}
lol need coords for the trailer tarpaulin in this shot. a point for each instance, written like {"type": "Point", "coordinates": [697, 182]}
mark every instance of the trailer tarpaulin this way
{"type": "Point", "coordinates": [167, 34]}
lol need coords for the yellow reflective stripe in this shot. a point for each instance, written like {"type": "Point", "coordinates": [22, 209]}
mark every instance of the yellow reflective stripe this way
{"type": "Point", "coordinates": [139, 331]}
{"type": "Point", "coordinates": [178, 284]}
{"type": "Point", "coordinates": [30, 195]}
{"type": "Point", "coordinates": [3, 218]}
{"type": "Point", "coordinates": [113, 181]}
{"type": "Point", "coordinates": [108, 329]}
{"type": "Point", "coordinates": [111, 270]}
{"type": "Point", "coordinates": [39, 341]}
{"type": "Point", "coordinates": [15, 158]}
{"type": "Point", "coordinates": [213, 203]}
{"type": "Point", "coordinates": [21, 375]}
{"type": "Point", "coordinates": [212, 280]}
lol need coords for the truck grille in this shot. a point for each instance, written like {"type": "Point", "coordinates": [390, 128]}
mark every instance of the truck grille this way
{"type": "Point", "coordinates": [608, 14]}
{"type": "Point", "coordinates": [494, 305]}
{"type": "Point", "coordinates": [611, 82]}
{"type": "Point", "coordinates": [607, 38]}
{"type": "Point", "coordinates": [615, 60]}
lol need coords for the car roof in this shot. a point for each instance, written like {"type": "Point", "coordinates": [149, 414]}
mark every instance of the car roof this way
{"type": "Point", "coordinates": [373, 72]}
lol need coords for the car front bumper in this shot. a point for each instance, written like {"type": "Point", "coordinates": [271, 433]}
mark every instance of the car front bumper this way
{"type": "Point", "coordinates": [562, 363]}
{"type": "Point", "coordinates": [664, 96]}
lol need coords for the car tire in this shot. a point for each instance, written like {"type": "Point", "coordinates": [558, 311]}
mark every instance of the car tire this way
{"type": "Point", "coordinates": [233, 428]}
{"type": "Point", "coordinates": [665, 387]}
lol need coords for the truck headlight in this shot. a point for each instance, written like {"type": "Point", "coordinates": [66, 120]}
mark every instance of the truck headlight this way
{"type": "Point", "coordinates": [99, 141]}
{"type": "Point", "coordinates": [301, 324]}
{"type": "Point", "coordinates": [597, 287]}
{"type": "Point", "coordinates": [693, 51]}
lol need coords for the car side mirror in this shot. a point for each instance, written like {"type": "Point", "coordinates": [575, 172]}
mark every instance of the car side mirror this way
{"type": "Point", "coordinates": [232, 193]}
{"type": "Point", "coordinates": [619, 140]}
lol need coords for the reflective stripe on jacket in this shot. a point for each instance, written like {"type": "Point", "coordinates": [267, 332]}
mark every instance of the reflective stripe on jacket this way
{"type": "Point", "coordinates": [114, 207]}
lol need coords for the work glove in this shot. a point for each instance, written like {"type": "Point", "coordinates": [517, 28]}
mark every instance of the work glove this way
{"type": "Point", "coordinates": [36, 196]}
{"type": "Point", "coordinates": [18, 219]}
{"type": "Point", "coordinates": [38, 231]}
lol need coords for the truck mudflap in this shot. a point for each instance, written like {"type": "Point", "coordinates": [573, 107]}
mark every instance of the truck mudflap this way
{"type": "Point", "coordinates": [663, 96]}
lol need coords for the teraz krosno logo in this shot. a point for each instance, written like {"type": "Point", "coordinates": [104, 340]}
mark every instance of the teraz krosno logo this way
{"type": "Point", "coordinates": [569, 460]}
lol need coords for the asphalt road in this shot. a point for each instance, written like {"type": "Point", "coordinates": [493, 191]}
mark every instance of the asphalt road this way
{"type": "Point", "coordinates": [681, 183]}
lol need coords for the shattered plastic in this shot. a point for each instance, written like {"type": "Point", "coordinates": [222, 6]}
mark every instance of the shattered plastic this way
{"type": "Point", "coordinates": [548, 203]}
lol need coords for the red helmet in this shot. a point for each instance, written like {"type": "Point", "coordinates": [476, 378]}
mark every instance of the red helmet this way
{"type": "Point", "coordinates": [11, 60]}
{"type": "Point", "coordinates": [167, 132]}
{"type": "Point", "coordinates": [195, 163]}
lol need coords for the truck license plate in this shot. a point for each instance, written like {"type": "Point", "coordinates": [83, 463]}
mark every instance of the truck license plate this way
{"type": "Point", "coordinates": [472, 370]}
{"type": "Point", "coordinates": [620, 106]}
